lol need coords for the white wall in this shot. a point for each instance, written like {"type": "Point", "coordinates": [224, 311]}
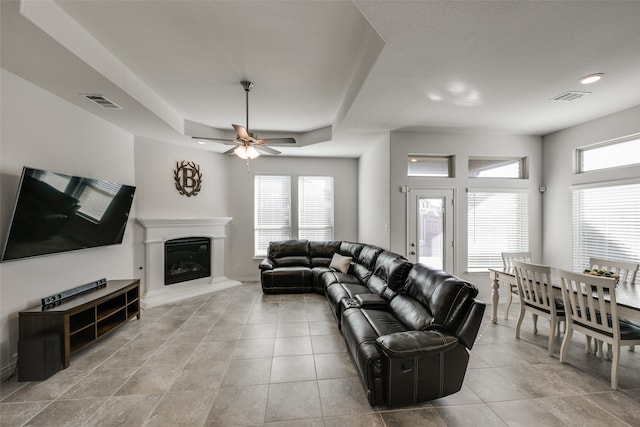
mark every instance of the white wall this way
{"type": "Point", "coordinates": [462, 146]}
{"type": "Point", "coordinates": [157, 196]}
{"type": "Point", "coordinates": [240, 263]}
{"type": "Point", "coordinates": [374, 207]}
{"type": "Point", "coordinates": [558, 172]}
{"type": "Point", "coordinates": [41, 130]}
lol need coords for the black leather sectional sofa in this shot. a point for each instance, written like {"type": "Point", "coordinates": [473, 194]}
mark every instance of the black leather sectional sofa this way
{"type": "Point", "coordinates": [408, 328]}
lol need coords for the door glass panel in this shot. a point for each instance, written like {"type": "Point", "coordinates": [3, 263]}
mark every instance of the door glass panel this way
{"type": "Point", "coordinates": [430, 226]}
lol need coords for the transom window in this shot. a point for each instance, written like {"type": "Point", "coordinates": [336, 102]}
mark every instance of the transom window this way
{"type": "Point", "coordinates": [433, 166]}
{"type": "Point", "coordinates": [484, 167]}
{"type": "Point", "coordinates": [612, 154]}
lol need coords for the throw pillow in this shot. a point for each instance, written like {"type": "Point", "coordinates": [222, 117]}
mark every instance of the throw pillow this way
{"type": "Point", "coordinates": [340, 263]}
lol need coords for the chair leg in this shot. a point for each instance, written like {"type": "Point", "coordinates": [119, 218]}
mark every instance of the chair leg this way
{"type": "Point", "coordinates": [614, 366]}
{"type": "Point", "coordinates": [535, 324]}
{"type": "Point", "coordinates": [519, 321]}
{"type": "Point", "coordinates": [587, 347]}
{"type": "Point", "coordinates": [552, 328]}
{"type": "Point", "coordinates": [632, 348]}
{"type": "Point", "coordinates": [564, 348]}
{"type": "Point", "coordinates": [509, 300]}
{"type": "Point", "coordinates": [598, 348]}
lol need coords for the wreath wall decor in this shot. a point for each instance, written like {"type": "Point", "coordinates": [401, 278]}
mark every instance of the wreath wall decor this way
{"type": "Point", "coordinates": [188, 178]}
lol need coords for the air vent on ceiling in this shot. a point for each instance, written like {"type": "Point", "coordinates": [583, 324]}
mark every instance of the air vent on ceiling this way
{"type": "Point", "coordinates": [102, 101]}
{"type": "Point", "coordinates": [571, 95]}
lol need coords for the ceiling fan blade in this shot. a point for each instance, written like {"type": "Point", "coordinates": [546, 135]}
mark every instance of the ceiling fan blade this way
{"type": "Point", "coordinates": [230, 150]}
{"type": "Point", "coordinates": [266, 150]}
{"type": "Point", "coordinates": [242, 133]}
{"type": "Point", "coordinates": [277, 141]}
{"type": "Point", "coordinates": [226, 141]}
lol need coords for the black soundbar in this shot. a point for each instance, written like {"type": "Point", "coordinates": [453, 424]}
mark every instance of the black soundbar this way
{"type": "Point", "coordinates": [56, 298]}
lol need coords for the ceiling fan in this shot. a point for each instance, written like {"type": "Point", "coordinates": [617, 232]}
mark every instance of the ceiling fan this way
{"type": "Point", "coordinates": [248, 145]}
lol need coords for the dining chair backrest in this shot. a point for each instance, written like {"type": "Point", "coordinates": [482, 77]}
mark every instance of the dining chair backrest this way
{"type": "Point", "coordinates": [509, 257]}
{"type": "Point", "coordinates": [590, 304]}
{"type": "Point", "coordinates": [627, 271]}
{"type": "Point", "coordinates": [534, 285]}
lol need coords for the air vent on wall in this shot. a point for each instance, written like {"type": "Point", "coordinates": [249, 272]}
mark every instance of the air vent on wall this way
{"type": "Point", "coordinates": [102, 101]}
{"type": "Point", "coordinates": [571, 95]}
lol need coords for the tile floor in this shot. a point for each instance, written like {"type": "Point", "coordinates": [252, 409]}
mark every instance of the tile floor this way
{"type": "Point", "coordinates": [241, 358]}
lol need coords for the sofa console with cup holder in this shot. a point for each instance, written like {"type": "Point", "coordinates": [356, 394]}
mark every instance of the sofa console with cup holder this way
{"type": "Point", "coordinates": [408, 328]}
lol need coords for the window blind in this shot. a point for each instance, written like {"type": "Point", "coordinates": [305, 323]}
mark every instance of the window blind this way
{"type": "Point", "coordinates": [95, 198]}
{"type": "Point", "coordinates": [315, 207]}
{"type": "Point", "coordinates": [272, 211]}
{"type": "Point", "coordinates": [497, 222]}
{"type": "Point", "coordinates": [606, 224]}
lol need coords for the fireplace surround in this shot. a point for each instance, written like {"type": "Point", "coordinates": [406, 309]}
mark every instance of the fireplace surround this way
{"type": "Point", "coordinates": [157, 231]}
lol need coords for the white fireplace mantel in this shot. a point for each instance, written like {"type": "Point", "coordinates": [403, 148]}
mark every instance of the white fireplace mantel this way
{"type": "Point", "coordinates": [156, 232]}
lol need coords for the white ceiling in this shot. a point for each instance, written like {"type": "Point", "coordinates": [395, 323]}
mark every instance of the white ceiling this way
{"type": "Point", "coordinates": [330, 73]}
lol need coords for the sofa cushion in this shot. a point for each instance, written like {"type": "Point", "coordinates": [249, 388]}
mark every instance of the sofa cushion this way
{"type": "Point", "coordinates": [320, 253]}
{"type": "Point", "coordinates": [363, 267]}
{"type": "Point", "coordinates": [340, 263]}
{"type": "Point", "coordinates": [389, 274]}
{"type": "Point", "coordinates": [292, 261]}
{"type": "Point", "coordinates": [350, 249]}
{"type": "Point", "coordinates": [447, 298]}
{"type": "Point", "coordinates": [286, 248]}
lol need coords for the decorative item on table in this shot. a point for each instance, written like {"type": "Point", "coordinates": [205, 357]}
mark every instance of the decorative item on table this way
{"type": "Point", "coordinates": [601, 273]}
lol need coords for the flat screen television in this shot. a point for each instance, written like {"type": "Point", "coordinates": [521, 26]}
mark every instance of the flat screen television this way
{"type": "Point", "coordinates": [56, 213]}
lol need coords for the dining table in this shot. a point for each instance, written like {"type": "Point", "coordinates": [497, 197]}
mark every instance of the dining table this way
{"type": "Point", "coordinates": [627, 294]}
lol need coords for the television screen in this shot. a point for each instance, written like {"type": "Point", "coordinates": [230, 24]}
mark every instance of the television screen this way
{"type": "Point", "coordinates": [58, 213]}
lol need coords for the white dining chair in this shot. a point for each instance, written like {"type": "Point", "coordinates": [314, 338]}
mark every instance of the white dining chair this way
{"type": "Point", "coordinates": [538, 297]}
{"type": "Point", "coordinates": [627, 273]}
{"type": "Point", "coordinates": [589, 312]}
{"type": "Point", "coordinates": [507, 264]}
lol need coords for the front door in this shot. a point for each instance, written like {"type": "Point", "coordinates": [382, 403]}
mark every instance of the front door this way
{"type": "Point", "coordinates": [430, 228]}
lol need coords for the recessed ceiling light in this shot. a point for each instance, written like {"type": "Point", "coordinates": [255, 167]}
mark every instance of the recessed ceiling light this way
{"type": "Point", "coordinates": [591, 78]}
{"type": "Point", "coordinates": [201, 142]}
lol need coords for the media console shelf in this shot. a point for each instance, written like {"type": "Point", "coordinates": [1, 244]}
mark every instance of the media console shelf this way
{"type": "Point", "coordinates": [82, 319]}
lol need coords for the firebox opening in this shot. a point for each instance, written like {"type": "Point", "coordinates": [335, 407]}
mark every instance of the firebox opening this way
{"type": "Point", "coordinates": [187, 258]}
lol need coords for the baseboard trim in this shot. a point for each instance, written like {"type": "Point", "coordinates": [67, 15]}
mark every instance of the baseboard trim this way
{"type": "Point", "coordinates": [7, 371]}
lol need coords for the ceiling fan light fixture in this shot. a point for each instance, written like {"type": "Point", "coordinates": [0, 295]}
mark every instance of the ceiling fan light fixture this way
{"type": "Point", "coordinates": [591, 78]}
{"type": "Point", "coordinates": [246, 153]}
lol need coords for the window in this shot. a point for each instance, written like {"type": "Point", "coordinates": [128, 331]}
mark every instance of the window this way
{"type": "Point", "coordinates": [283, 212]}
{"type": "Point", "coordinates": [605, 224]}
{"type": "Point", "coordinates": [315, 207]}
{"type": "Point", "coordinates": [622, 152]}
{"type": "Point", "coordinates": [272, 211]}
{"type": "Point", "coordinates": [434, 166]}
{"type": "Point", "coordinates": [498, 221]}
{"type": "Point", "coordinates": [482, 167]}
{"type": "Point", "coordinates": [96, 197]}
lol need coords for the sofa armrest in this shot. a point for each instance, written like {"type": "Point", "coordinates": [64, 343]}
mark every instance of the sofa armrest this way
{"type": "Point", "coordinates": [468, 330]}
{"type": "Point", "coordinates": [371, 301]}
{"type": "Point", "coordinates": [266, 264]}
{"type": "Point", "coordinates": [411, 344]}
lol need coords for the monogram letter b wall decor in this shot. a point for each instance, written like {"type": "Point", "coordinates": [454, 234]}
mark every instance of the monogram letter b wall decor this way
{"type": "Point", "coordinates": [188, 178]}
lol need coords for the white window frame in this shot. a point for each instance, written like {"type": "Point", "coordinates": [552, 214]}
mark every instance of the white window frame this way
{"type": "Point", "coordinates": [291, 227]}
{"type": "Point", "coordinates": [612, 230]}
{"type": "Point", "coordinates": [266, 222]}
{"type": "Point", "coordinates": [315, 226]}
{"type": "Point", "coordinates": [601, 147]}
{"type": "Point", "coordinates": [433, 160]}
{"type": "Point", "coordinates": [493, 162]}
{"type": "Point", "coordinates": [518, 241]}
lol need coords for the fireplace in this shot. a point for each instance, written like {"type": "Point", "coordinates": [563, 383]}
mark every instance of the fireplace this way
{"type": "Point", "coordinates": [157, 231]}
{"type": "Point", "coordinates": [187, 258]}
